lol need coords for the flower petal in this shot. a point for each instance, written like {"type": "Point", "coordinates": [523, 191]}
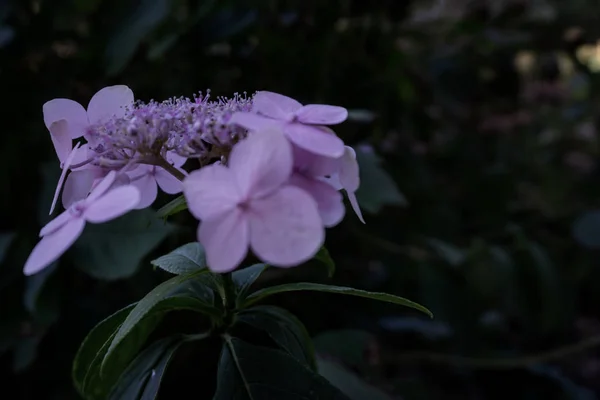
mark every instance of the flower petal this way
{"type": "Point", "coordinates": [321, 114]}
{"type": "Point", "coordinates": [61, 139]}
{"type": "Point", "coordinates": [285, 227]}
{"type": "Point", "coordinates": [261, 162]}
{"type": "Point", "coordinates": [146, 185]}
{"type": "Point", "coordinates": [210, 191]}
{"type": "Point", "coordinates": [274, 105]}
{"type": "Point", "coordinates": [102, 186]}
{"type": "Point", "coordinates": [63, 174]}
{"type": "Point", "coordinates": [108, 102]}
{"type": "Point", "coordinates": [349, 173]}
{"type": "Point", "coordinates": [355, 206]}
{"type": "Point", "coordinates": [225, 239]}
{"type": "Point", "coordinates": [252, 122]}
{"type": "Point", "coordinates": [57, 223]}
{"type": "Point", "coordinates": [175, 159]}
{"type": "Point", "coordinates": [69, 110]}
{"type": "Point", "coordinates": [167, 182]}
{"type": "Point", "coordinates": [314, 165]}
{"type": "Point", "coordinates": [329, 201]}
{"type": "Point", "coordinates": [113, 204]}
{"type": "Point", "coordinates": [78, 185]}
{"type": "Point", "coordinates": [316, 139]}
{"type": "Point", "coordinates": [53, 245]}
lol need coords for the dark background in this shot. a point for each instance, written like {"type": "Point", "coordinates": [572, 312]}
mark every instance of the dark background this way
{"type": "Point", "coordinates": [475, 123]}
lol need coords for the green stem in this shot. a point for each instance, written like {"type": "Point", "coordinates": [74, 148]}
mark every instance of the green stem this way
{"type": "Point", "coordinates": [229, 286]}
{"type": "Point", "coordinates": [164, 164]}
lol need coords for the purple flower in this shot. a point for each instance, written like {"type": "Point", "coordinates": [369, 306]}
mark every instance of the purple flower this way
{"type": "Point", "coordinates": [303, 125]}
{"type": "Point", "coordinates": [104, 203]}
{"type": "Point", "coordinates": [250, 204]}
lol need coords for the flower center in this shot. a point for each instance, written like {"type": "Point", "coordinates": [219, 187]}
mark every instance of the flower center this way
{"type": "Point", "coordinates": [77, 209]}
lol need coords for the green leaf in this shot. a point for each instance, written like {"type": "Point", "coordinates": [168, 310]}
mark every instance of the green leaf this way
{"type": "Point", "coordinates": [377, 189]}
{"type": "Point", "coordinates": [121, 49]}
{"type": "Point", "coordinates": [114, 250]}
{"type": "Point", "coordinates": [244, 278]}
{"type": "Point", "coordinates": [347, 345]}
{"type": "Point", "coordinates": [25, 352]}
{"type": "Point", "coordinates": [447, 252]}
{"type": "Point", "coordinates": [173, 207]}
{"type": "Point", "coordinates": [284, 328]}
{"type": "Point", "coordinates": [586, 230]}
{"type": "Point", "coordinates": [165, 297]}
{"type": "Point", "coordinates": [324, 257]}
{"type": "Point", "coordinates": [348, 382]}
{"type": "Point", "coordinates": [141, 380]}
{"type": "Point", "coordinates": [248, 372]}
{"type": "Point", "coordinates": [187, 258]}
{"type": "Point", "coordinates": [94, 347]}
{"type": "Point", "coordinates": [5, 241]}
{"type": "Point", "coordinates": [295, 287]}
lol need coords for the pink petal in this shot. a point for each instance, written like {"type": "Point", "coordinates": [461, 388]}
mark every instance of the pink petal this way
{"type": "Point", "coordinates": [167, 182]}
{"type": "Point", "coordinates": [56, 223]}
{"type": "Point", "coordinates": [329, 201]}
{"type": "Point", "coordinates": [349, 174]}
{"type": "Point", "coordinates": [225, 239]}
{"type": "Point", "coordinates": [261, 162]}
{"type": "Point", "coordinates": [108, 102]}
{"type": "Point", "coordinates": [102, 186]}
{"type": "Point", "coordinates": [320, 114]}
{"type": "Point", "coordinates": [53, 245]}
{"type": "Point", "coordinates": [69, 110]}
{"type": "Point", "coordinates": [252, 122]}
{"type": "Point", "coordinates": [78, 185]}
{"type": "Point", "coordinates": [285, 227]}
{"type": "Point", "coordinates": [274, 105]}
{"type": "Point", "coordinates": [61, 139]}
{"type": "Point", "coordinates": [355, 206]}
{"type": "Point", "coordinates": [316, 139]}
{"type": "Point", "coordinates": [83, 154]}
{"type": "Point", "coordinates": [148, 190]}
{"type": "Point", "coordinates": [113, 204]}
{"type": "Point", "coordinates": [61, 180]}
{"type": "Point", "coordinates": [211, 191]}
{"type": "Point", "coordinates": [175, 159]}
{"type": "Point", "coordinates": [313, 164]}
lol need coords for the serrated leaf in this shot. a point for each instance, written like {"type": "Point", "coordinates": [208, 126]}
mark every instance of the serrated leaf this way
{"type": "Point", "coordinates": [185, 259]}
{"type": "Point", "coordinates": [173, 207]}
{"type": "Point", "coordinates": [324, 257]}
{"type": "Point", "coordinates": [284, 328]}
{"type": "Point", "coordinates": [165, 297]}
{"type": "Point", "coordinates": [141, 380]}
{"type": "Point", "coordinates": [248, 372]}
{"type": "Point", "coordinates": [348, 382]}
{"type": "Point", "coordinates": [244, 278]}
{"type": "Point", "coordinates": [305, 286]}
{"type": "Point", "coordinates": [115, 249]}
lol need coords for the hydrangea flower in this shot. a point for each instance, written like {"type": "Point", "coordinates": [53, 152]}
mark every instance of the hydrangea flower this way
{"type": "Point", "coordinates": [303, 125]}
{"type": "Point", "coordinates": [249, 203]}
{"type": "Point", "coordinates": [104, 203]}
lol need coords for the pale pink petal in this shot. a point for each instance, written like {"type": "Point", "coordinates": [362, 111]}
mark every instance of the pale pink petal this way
{"type": "Point", "coordinates": [349, 174]}
{"type": "Point", "coordinates": [112, 204]}
{"type": "Point", "coordinates": [225, 239]}
{"type": "Point", "coordinates": [148, 190]}
{"type": "Point", "coordinates": [261, 162]}
{"type": "Point", "coordinates": [82, 154]}
{"type": "Point", "coordinates": [320, 114]}
{"type": "Point", "coordinates": [285, 227]}
{"type": "Point", "coordinates": [316, 139]}
{"type": "Point", "coordinates": [332, 180]}
{"type": "Point", "coordinates": [57, 223]}
{"type": "Point", "coordinates": [108, 102]}
{"type": "Point", "coordinates": [61, 139]}
{"type": "Point", "coordinates": [69, 110]}
{"type": "Point", "coordinates": [274, 105]}
{"type": "Point", "coordinates": [78, 185]}
{"type": "Point", "coordinates": [313, 164]}
{"type": "Point", "coordinates": [99, 187]}
{"type": "Point", "coordinates": [175, 159]}
{"type": "Point", "coordinates": [63, 174]}
{"type": "Point", "coordinates": [53, 245]}
{"type": "Point", "coordinates": [355, 206]}
{"type": "Point", "coordinates": [167, 182]}
{"type": "Point", "coordinates": [211, 191]}
{"type": "Point", "coordinates": [329, 201]}
{"type": "Point", "coordinates": [253, 122]}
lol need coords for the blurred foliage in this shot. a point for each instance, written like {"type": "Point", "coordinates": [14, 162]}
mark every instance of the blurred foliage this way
{"type": "Point", "coordinates": [476, 123]}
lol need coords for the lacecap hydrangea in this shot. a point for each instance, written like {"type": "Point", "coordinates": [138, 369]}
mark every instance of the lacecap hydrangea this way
{"type": "Point", "coordinates": [271, 178]}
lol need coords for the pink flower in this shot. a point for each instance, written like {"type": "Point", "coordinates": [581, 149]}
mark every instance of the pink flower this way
{"type": "Point", "coordinates": [104, 203]}
{"type": "Point", "coordinates": [249, 204]}
{"type": "Point", "coordinates": [107, 102]}
{"type": "Point", "coordinates": [347, 177]}
{"type": "Point", "coordinates": [147, 177]}
{"type": "Point", "coordinates": [301, 124]}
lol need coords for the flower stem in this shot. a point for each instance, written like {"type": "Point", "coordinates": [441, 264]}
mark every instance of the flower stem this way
{"type": "Point", "coordinates": [164, 164]}
{"type": "Point", "coordinates": [229, 288]}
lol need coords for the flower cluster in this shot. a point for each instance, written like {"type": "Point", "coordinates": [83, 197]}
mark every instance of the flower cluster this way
{"type": "Point", "coordinates": [271, 177]}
